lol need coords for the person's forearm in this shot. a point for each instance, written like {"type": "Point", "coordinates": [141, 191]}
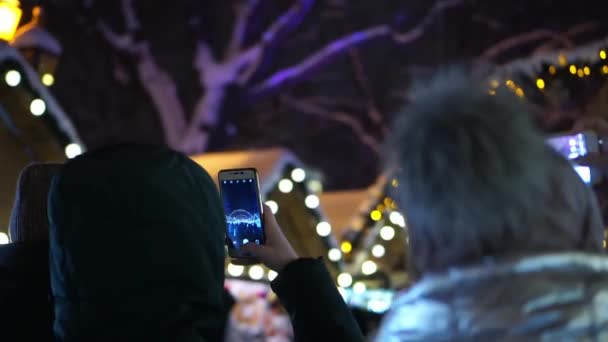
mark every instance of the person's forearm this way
{"type": "Point", "coordinates": [315, 306]}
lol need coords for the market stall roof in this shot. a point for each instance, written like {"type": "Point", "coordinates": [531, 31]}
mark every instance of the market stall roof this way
{"type": "Point", "coordinates": [270, 164]}
{"type": "Point", "coordinates": [343, 207]}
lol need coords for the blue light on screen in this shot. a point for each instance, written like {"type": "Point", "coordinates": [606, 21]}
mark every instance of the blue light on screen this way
{"type": "Point", "coordinates": [242, 209]}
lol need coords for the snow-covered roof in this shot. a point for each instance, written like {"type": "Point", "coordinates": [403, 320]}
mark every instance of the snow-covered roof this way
{"type": "Point", "coordinates": [532, 65]}
{"type": "Point", "coordinates": [344, 209]}
{"type": "Point", "coordinates": [37, 37]}
{"type": "Point", "coordinates": [9, 53]}
{"type": "Point", "coordinates": [270, 163]}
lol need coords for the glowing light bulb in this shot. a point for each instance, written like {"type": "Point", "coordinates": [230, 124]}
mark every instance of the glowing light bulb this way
{"type": "Point", "coordinates": [4, 240]}
{"type": "Point", "coordinates": [369, 267]}
{"type": "Point", "coordinates": [12, 78]}
{"type": "Point", "coordinates": [298, 175]}
{"type": "Point", "coordinates": [572, 69]}
{"type": "Point", "coordinates": [48, 80]}
{"type": "Point", "coordinates": [285, 186]}
{"type": "Point", "coordinates": [37, 107]}
{"type": "Point", "coordinates": [312, 201]}
{"type": "Point", "coordinates": [315, 186]}
{"type": "Point", "coordinates": [272, 275]}
{"type": "Point", "coordinates": [387, 233]}
{"type": "Point", "coordinates": [378, 251]}
{"type": "Point", "coordinates": [73, 150]}
{"type": "Point", "coordinates": [256, 272]}
{"type": "Point", "coordinates": [519, 92]}
{"type": "Point", "coordinates": [345, 280]}
{"type": "Point", "coordinates": [359, 287]}
{"type": "Point", "coordinates": [235, 270]}
{"type": "Point", "coordinates": [323, 228]}
{"type": "Point", "coordinates": [376, 215]}
{"type": "Point", "coordinates": [603, 54]}
{"type": "Point", "coordinates": [396, 218]}
{"type": "Point", "coordinates": [587, 71]}
{"type": "Point", "coordinates": [346, 247]}
{"type": "Point", "coordinates": [274, 206]}
{"type": "Point", "coordinates": [540, 83]}
{"type": "Point", "coordinates": [334, 254]}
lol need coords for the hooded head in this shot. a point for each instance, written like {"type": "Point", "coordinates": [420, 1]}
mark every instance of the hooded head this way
{"type": "Point", "coordinates": [137, 249]}
{"type": "Point", "coordinates": [478, 180]}
{"type": "Point", "coordinates": [29, 221]}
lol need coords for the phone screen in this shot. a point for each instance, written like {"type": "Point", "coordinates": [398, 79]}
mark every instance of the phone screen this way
{"type": "Point", "coordinates": [242, 210]}
{"type": "Point", "coordinates": [570, 146]}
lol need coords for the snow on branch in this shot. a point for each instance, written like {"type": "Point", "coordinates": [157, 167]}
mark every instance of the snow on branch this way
{"type": "Point", "coordinates": [341, 46]}
{"type": "Point", "coordinates": [309, 108]}
{"type": "Point", "coordinates": [287, 22]}
{"type": "Point", "coordinates": [54, 109]}
{"type": "Point", "coordinates": [521, 39]}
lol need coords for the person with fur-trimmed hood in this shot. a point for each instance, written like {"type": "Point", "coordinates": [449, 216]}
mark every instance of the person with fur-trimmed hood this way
{"type": "Point", "coordinates": [504, 237]}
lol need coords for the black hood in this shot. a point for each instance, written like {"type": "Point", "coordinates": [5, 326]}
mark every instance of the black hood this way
{"type": "Point", "coordinates": [136, 248]}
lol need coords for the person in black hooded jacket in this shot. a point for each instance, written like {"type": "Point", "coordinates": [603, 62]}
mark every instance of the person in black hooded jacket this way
{"type": "Point", "coordinates": [137, 254]}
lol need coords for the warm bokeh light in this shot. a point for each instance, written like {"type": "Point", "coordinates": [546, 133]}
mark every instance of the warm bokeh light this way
{"type": "Point", "coordinates": [315, 186]}
{"type": "Point", "coordinates": [587, 70]}
{"type": "Point", "coordinates": [376, 215]}
{"type": "Point", "coordinates": [603, 54]}
{"type": "Point", "coordinates": [274, 206]}
{"type": "Point", "coordinates": [334, 254]}
{"type": "Point", "coordinates": [235, 270]}
{"type": "Point", "coordinates": [562, 60]}
{"type": "Point", "coordinates": [12, 78]}
{"type": "Point", "coordinates": [323, 228]}
{"type": "Point", "coordinates": [346, 246]}
{"type": "Point", "coordinates": [359, 287]}
{"type": "Point", "coordinates": [312, 201]}
{"type": "Point", "coordinates": [73, 150]}
{"type": "Point", "coordinates": [387, 233]}
{"type": "Point", "coordinates": [369, 267]}
{"type": "Point", "coordinates": [345, 280]}
{"type": "Point", "coordinates": [605, 69]}
{"type": "Point", "coordinates": [37, 107]}
{"type": "Point", "coordinates": [397, 218]}
{"type": "Point", "coordinates": [256, 272]}
{"type": "Point", "coordinates": [378, 251]}
{"type": "Point", "coordinates": [552, 70]}
{"type": "Point", "coordinates": [48, 80]}
{"type": "Point", "coordinates": [285, 186]}
{"type": "Point", "coordinates": [4, 240]}
{"type": "Point", "coordinates": [272, 275]}
{"type": "Point", "coordinates": [10, 14]}
{"type": "Point", "coordinates": [580, 73]}
{"type": "Point", "coordinates": [520, 92]}
{"type": "Point", "coordinates": [298, 175]}
{"type": "Point", "coordinates": [494, 83]}
{"type": "Point", "coordinates": [540, 83]}
{"type": "Point", "coordinates": [573, 69]}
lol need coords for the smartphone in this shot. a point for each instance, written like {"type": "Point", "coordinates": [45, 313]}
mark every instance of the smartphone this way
{"type": "Point", "coordinates": [243, 208]}
{"type": "Point", "coordinates": [575, 145]}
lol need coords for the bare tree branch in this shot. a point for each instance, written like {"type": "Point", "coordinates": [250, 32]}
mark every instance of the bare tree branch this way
{"type": "Point", "coordinates": [521, 39]}
{"type": "Point", "coordinates": [346, 119]}
{"type": "Point", "coordinates": [242, 13]}
{"type": "Point", "coordinates": [341, 46]}
{"type": "Point", "coordinates": [569, 34]}
{"type": "Point", "coordinates": [364, 83]}
{"type": "Point", "coordinates": [158, 84]}
{"type": "Point", "coordinates": [288, 22]}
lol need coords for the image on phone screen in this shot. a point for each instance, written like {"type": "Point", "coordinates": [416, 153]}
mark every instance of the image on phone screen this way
{"type": "Point", "coordinates": [242, 209]}
{"type": "Point", "coordinates": [569, 146]}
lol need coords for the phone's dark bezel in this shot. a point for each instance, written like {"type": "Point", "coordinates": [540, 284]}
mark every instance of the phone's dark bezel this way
{"type": "Point", "coordinates": [231, 251]}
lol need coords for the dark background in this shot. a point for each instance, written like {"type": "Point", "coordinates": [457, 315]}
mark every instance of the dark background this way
{"type": "Point", "coordinates": [357, 94]}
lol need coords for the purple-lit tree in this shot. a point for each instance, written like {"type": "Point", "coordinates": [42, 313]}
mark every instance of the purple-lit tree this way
{"type": "Point", "coordinates": [239, 63]}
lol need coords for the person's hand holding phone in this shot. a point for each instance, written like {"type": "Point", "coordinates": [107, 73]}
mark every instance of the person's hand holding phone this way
{"type": "Point", "coordinates": [277, 252]}
{"type": "Point", "coordinates": [598, 125]}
